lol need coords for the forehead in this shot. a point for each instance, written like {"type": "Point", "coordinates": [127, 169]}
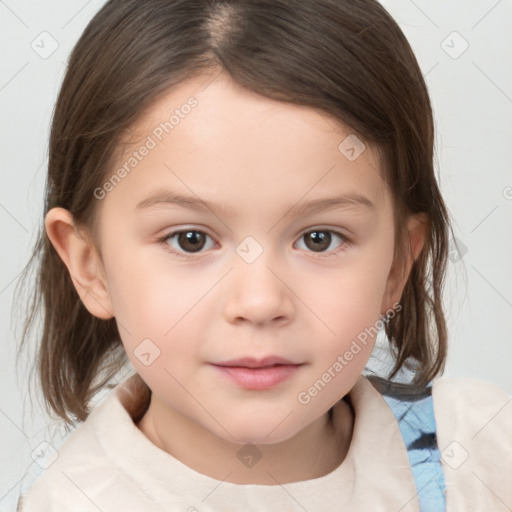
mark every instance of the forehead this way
{"type": "Point", "coordinates": [209, 136]}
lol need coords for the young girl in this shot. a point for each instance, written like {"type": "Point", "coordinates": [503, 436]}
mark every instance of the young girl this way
{"type": "Point", "coordinates": [240, 197]}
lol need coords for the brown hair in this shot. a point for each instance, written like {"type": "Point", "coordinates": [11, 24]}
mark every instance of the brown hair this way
{"type": "Point", "coordinates": [347, 58]}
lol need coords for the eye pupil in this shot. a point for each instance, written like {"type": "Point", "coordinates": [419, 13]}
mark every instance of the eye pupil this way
{"type": "Point", "coordinates": [321, 240]}
{"type": "Point", "coordinates": [191, 240]}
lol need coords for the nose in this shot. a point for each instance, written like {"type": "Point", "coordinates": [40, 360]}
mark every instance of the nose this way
{"type": "Point", "coordinates": [258, 293]}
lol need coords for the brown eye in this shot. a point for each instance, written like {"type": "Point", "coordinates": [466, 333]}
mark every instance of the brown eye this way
{"type": "Point", "coordinates": [320, 240]}
{"type": "Point", "coordinates": [191, 241]}
{"type": "Point", "coordinates": [188, 241]}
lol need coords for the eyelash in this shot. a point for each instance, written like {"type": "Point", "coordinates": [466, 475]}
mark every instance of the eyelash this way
{"type": "Point", "coordinates": [346, 242]}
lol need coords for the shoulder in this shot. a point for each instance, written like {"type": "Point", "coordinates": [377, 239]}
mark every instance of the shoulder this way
{"type": "Point", "coordinates": [474, 411]}
{"type": "Point", "coordinates": [468, 385]}
{"type": "Point", "coordinates": [469, 403]}
{"type": "Point", "coordinates": [474, 433]}
{"type": "Point", "coordinates": [85, 470]}
{"type": "Point", "coordinates": [60, 484]}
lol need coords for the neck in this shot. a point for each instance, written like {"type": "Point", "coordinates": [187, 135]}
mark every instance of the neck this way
{"type": "Point", "coordinates": [312, 453]}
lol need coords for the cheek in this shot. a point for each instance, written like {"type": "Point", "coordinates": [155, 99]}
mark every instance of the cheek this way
{"type": "Point", "coordinates": [151, 303]}
{"type": "Point", "coordinates": [349, 306]}
{"type": "Point", "coordinates": [146, 302]}
{"type": "Point", "coordinates": [349, 299]}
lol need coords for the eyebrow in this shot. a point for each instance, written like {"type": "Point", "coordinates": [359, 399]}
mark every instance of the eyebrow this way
{"type": "Point", "coordinates": [168, 198]}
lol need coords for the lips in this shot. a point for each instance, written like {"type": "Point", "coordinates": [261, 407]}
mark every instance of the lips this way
{"type": "Point", "coordinates": [251, 362]}
{"type": "Point", "coordinates": [258, 374]}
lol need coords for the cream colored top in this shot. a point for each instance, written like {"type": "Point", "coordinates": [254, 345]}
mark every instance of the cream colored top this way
{"type": "Point", "coordinates": [109, 465]}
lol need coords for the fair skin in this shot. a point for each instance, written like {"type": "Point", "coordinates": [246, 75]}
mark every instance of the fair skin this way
{"type": "Point", "coordinates": [260, 161]}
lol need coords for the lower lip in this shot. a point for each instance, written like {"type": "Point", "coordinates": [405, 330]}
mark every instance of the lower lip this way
{"type": "Point", "coordinates": [259, 378]}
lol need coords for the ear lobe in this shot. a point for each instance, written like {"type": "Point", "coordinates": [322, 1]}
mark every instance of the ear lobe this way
{"type": "Point", "coordinates": [416, 236]}
{"type": "Point", "coordinates": [82, 261]}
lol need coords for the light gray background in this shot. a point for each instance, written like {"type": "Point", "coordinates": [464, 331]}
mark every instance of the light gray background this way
{"type": "Point", "coordinates": [471, 93]}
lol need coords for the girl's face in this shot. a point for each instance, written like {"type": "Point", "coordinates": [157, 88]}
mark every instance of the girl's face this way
{"type": "Point", "coordinates": [289, 254]}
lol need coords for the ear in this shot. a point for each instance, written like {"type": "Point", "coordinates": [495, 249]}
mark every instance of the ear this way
{"type": "Point", "coordinates": [82, 260]}
{"type": "Point", "coordinates": [417, 226]}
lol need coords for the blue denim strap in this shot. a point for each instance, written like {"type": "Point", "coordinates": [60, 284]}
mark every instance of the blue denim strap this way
{"type": "Point", "coordinates": [417, 425]}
